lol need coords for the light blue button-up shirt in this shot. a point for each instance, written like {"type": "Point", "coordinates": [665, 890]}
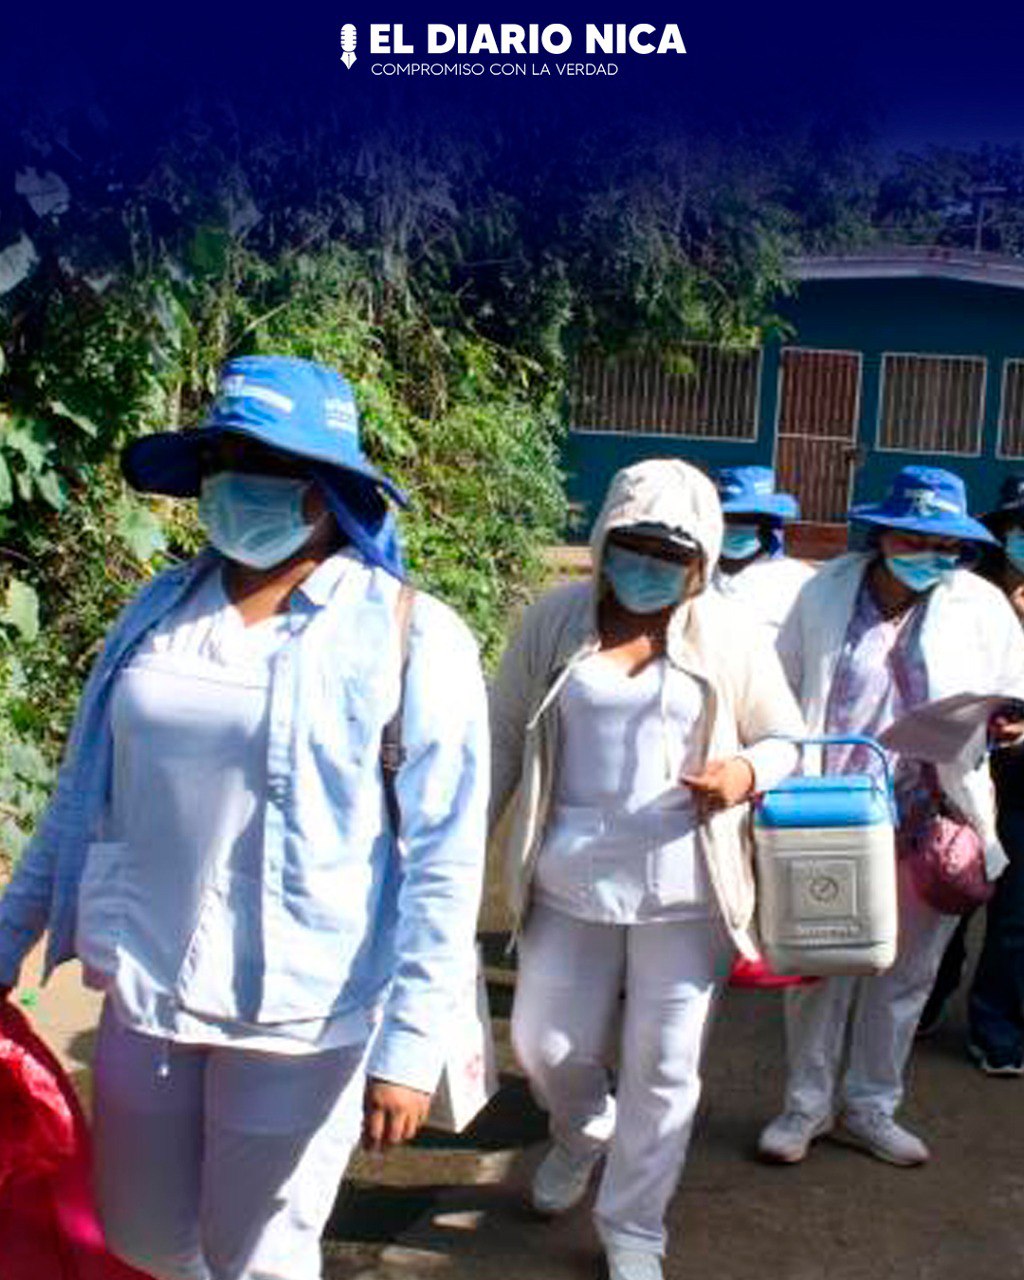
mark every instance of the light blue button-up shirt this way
{"type": "Point", "coordinates": [347, 923]}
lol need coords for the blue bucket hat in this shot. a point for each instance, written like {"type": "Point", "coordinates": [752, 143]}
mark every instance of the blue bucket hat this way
{"type": "Point", "coordinates": [301, 408]}
{"type": "Point", "coordinates": [751, 491]}
{"type": "Point", "coordinates": [924, 500]}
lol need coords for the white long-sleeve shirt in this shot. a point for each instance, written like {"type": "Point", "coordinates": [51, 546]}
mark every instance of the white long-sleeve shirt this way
{"type": "Point", "coordinates": [767, 589]}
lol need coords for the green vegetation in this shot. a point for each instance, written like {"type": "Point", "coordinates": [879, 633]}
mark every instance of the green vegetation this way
{"type": "Point", "coordinates": [467, 426]}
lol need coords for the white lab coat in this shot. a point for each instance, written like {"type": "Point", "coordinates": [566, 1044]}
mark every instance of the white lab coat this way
{"type": "Point", "coordinates": [971, 641]}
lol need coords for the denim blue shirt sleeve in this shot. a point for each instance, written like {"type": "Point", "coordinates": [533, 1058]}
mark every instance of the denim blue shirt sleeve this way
{"type": "Point", "coordinates": [41, 895]}
{"type": "Point", "coordinates": [347, 921]}
{"type": "Point", "coordinates": [442, 793]}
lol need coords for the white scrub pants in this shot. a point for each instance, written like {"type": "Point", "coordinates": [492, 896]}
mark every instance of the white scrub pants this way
{"type": "Point", "coordinates": [225, 1168]}
{"type": "Point", "coordinates": [876, 1017]}
{"type": "Point", "coordinates": [564, 1024]}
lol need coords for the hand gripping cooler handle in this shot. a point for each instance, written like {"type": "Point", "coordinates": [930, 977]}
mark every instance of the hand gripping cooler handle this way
{"type": "Point", "coordinates": [849, 740]}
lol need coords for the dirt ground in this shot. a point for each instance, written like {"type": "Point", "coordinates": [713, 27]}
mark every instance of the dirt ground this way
{"type": "Point", "coordinates": [454, 1207]}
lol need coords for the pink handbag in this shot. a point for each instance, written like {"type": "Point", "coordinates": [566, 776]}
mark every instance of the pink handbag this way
{"type": "Point", "coordinates": [947, 865]}
{"type": "Point", "coordinates": [943, 851]}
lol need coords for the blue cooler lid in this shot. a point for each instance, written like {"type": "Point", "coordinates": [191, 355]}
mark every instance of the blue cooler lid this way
{"type": "Point", "coordinates": [835, 800]}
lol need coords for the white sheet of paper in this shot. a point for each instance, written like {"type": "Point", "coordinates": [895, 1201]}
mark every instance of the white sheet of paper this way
{"type": "Point", "coordinates": [944, 730]}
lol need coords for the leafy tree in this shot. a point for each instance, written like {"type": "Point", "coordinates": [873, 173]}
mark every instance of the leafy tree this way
{"type": "Point", "coordinates": [962, 198]}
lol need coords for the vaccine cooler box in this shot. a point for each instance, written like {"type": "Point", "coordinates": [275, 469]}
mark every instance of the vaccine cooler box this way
{"type": "Point", "coordinates": [826, 871]}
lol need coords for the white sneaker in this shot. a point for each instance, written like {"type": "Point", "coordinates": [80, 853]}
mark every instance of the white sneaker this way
{"type": "Point", "coordinates": [880, 1136]}
{"type": "Point", "coordinates": [997, 1062]}
{"type": "Point", "coordinates": [633, 1264]}
{"type": "Point", "coordinates": [788, 1138]}
{"type": "Point", "coordinates": [562, 1179]}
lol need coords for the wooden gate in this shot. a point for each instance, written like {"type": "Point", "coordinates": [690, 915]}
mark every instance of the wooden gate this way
{"type": "Point", "coordinates": [816, 432]}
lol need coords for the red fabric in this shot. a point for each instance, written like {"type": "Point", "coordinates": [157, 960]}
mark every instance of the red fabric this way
{"type": "Point", "coordinates": [48, 1224]}
{"type": "Point", "coordinates": [757, 975]}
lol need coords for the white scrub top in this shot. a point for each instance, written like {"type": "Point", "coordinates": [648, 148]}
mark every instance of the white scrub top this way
{"type": "Point", "coordinates": [619, 845]}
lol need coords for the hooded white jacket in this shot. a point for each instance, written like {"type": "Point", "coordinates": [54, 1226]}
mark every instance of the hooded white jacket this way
{"type": "Point", "coordinates": [971, 642]}
{"type": "Point", "coordinates": [746, 695]}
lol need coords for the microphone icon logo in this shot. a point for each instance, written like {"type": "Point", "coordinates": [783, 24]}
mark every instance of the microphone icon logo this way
{"type": "Point", "coordinates": [348, 44]}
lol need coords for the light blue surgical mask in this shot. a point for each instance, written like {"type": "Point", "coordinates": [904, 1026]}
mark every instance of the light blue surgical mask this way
{"type": "Point", "coordinates": [643, 584]}
{"type": "Point", "coordinates": [1014, 548]}
{"type": "Point", "coordinates": [256, 520]}
{"type": "Point", "coordinates": [922, 570]}
{"type": "Point", "coordinates": [740, 541]}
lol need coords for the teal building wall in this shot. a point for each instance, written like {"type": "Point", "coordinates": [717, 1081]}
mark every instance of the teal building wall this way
{"type": "Point", "coordinates": [925, 316]}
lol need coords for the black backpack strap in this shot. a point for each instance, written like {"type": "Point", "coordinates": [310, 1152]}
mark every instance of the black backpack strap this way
{"type": "Point", "coordinates": [392, 748]}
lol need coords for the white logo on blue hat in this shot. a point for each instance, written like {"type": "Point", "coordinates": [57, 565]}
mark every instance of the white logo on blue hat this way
{"type": "Point", "coordinates": [926, 502]}
{"type": "Point", "coordinates": [237, 387]}
{"type": "Point", "coordinates": [340, 415]}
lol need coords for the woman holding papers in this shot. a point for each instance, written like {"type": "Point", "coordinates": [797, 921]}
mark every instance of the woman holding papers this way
{"type": "Point", "coordinates": [873, 635]}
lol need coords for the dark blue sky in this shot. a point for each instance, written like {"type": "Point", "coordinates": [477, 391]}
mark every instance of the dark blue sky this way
{"type": "Point", "coordinates": [917, 73]}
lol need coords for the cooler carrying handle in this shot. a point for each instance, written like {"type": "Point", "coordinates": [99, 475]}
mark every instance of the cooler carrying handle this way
{"type": "Point", "coordinates": [848, 740]}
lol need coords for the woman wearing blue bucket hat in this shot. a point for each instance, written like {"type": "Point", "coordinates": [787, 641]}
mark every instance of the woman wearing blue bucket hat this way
{"type": "Point", "coordinates": [221, 851]}
{"type": "Point", "coordinates": [754, 570]}
{"type": "Point", "coordinates": [872, 635]}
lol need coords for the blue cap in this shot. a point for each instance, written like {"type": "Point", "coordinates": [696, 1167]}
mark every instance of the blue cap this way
{"type": "Point", "coordinates": [298, 407]}
{"type": "Point", "coordinates": [751, 491]}
{"type": "Point", "coordinates": [924, 500]}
